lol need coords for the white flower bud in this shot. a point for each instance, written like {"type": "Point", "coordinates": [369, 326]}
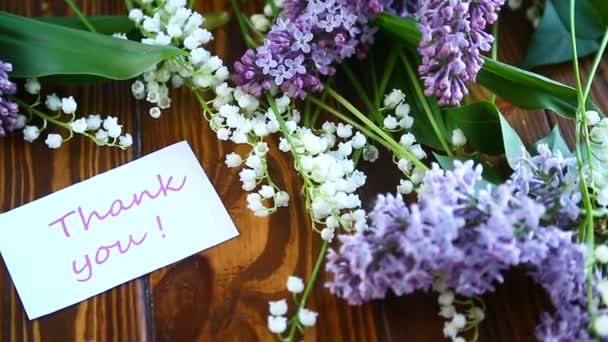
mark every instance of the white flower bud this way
{"type": "Point", "coordinates": [459, 321]}
{"type": "Point", "coordinates": [53, 102]}
{"type": "Point", "coordinates": [260, 22]}
{"type": "Point", "coordinates": [233, 160]}
{"type": "Point", "coordinates": [21, 121]}
{"type": "Point", "coordinates": [277, 325]}
{"type": "Point", "coordinates": [102, 137]}
{"type": "Point", "coordinates": [407, 139]}
{"type": "Point", "coordinates": [593, 117]}
{"type": "Point", "coordinates": [446, 298]}
{"type": "Point", "coordinates": [402, 110]}
{"type": "Point", "coordinates": [308, 318]}
{"type": "Point", "coordinates": [278, 308]}
{"type": "Point", "coordinates": [295, 284]}
{"type": "Point", "coordinates": [32, 86]}
{"type": "Point", "coordinates": [327, 234]}
{"type": "Point", "coordinates": [266, 191]}
{"type": "Point", "coordinates": [393, 99]}
{"type": "Point", "coordinates": [68, 105]}
{"type": "Point", "coordinates": [390, 122]}
{"type": "Point", "coordinates": [79, 126]}
{"type": "Point", "coordinates": [31, 133]}
{"type": "Point", "coordinates": [405, 186]}
{"type": "Point", "coordinates": [344, 131]}
{"type": "Point", "coordinates": [136, 15]}
{"type": "Point", "coordinates": [458, 138]}
{"type": "Point", "coordinates": [281, 199]}
{"type": "Point", "coordinates": [126, 140]}
{"type": "Point", "coordinates": [54, 141]}
{"type": "Point", "coordinates": [155, 112]}
{"type": "Point", "coordinates": [601, 253]}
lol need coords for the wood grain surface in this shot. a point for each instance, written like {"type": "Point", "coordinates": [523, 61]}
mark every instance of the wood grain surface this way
{"type": "Point", "coordinates": [222, 294]}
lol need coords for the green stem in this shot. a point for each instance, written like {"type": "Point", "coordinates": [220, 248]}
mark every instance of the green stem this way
{"type": "Point", "coordinates": [386, 77]}
{"type": "Point", "coordinates": [243, 24]}
{"type": "Point", "coordinates": [581, 120]}
{"type": "Point", "coordinates": [359, 127]}
{"type": "Point", "coordinates": [596, 63]}
{"type": "Point", "coordinates": [308, 290]}
{"type": "Point", "coordinates": [129, 4]}
{"type": "Point", "coordinates": [379, 131]}
{"type": "Point", "coordinates": [362, 94]}
{"type": "Point", "coordinates": [374, 78]}
{"type": "Point", "coordinates": [82, 18]}
{"type": "Point", "coordinates": [494, 53]}
{"type": "Point", "coordinates": [191, 4]}
{"type": "Point", "coordinates": [317, 112]}
{"type": "Point", "coordinates": [425, 105]}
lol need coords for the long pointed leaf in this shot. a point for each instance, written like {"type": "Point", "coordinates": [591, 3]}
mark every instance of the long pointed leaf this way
{"type": "Point", "coordinates": [41, 49]}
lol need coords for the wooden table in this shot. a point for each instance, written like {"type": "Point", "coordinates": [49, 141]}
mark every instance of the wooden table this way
{"type": "Point", "coordinates": [222, 294]}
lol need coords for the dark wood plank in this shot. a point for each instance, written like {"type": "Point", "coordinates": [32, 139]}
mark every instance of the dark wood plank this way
{"type": "Point", "coordinates": [32, 171]}
{"type": "Point", "coordinates": [223, 293]}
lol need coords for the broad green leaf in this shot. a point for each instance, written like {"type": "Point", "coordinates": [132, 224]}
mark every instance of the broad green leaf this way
{"type": "Point", "coordinates": [600, 9]}
{"type": "Point", "coordinates": [109, 24]}
{"type": "Point", "coordinates": [490, 173]}
{"type": "Point", "coordinates": [553, 34]}
{"type": "Point", "coordinates": [522, 88]}
{"type": "Point", "coordinates": [40, 49]}
{"type": "Point", "coordinates": [514, 147]}
{"type": "Point", "coordinates": [105, 24]}
{"type": "Point", "coordinates": [480, 123]}
{"type": "Point", "coordinates": [587, 26]}
{"type": "Point", "coordinates": [556, 142]}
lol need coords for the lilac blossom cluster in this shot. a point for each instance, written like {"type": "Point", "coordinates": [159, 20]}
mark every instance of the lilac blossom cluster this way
{"type": "Point", "coordinates": [8, 109]}
{"type": "Point", "coordinates": [468, 235]}
{"type": "Point", "coordinates": [303, 47]}
{"type": "Point", "coordinates": [453, 37]}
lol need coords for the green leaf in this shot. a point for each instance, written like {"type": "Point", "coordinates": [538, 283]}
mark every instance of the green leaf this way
{"type": "Point", "coordinates": [105, 24]}
{"type": "Point", "coordinates": [556, 142]}
{"type": "Point", "coordinates": [40, 49]}
{"type": "Point", "coordinates": [553, 34]}
{"type": "Point", "coordinates": [480, 123]}
{"type": "Point", "coordinates": [587, 27]}
{"type": "Point", "coordinates": [110, 24]}
{"type": "Point", "coordinates": [520, 87]}
{"type": "Point", "coordinates": [514, 147]}
{"type": "Point", "coordinates": [490, 172]}
{"type": "Point", "coordinates": [600, 9]}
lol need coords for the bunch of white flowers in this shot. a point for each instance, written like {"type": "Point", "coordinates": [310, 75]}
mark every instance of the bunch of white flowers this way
{"type": "Point", "coordinates": [237, 116]}
{"type": "Point", "coordinates": [456, 322]}
{"type": "Point", "coordinates": [277, 322]}
{"type": "Point", "coordinates": [402, 122]}
{"type": "Point", "coordinates": [324, 160]}
{"type": "Point", "coordinates": [172, 23]}
{"type": "Point", "coordinates": [106, 131]}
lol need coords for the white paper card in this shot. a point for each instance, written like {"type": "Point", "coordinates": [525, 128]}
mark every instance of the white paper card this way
{"type": "Point", "coordinates": [112, 228]}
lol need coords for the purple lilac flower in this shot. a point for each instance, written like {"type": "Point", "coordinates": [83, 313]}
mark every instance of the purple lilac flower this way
{"type": "Point", "coordinates": [453, 36]}
{"type": "Point", "coordinates": [304, 47]}
{"type": "Point", "coordinates": [8, 109]}
{"type": "Point", "coordinates": [470, 237]}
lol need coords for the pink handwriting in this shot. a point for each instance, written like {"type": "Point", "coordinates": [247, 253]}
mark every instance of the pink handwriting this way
{"type": "Point", "coordinates": [118, 206]}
